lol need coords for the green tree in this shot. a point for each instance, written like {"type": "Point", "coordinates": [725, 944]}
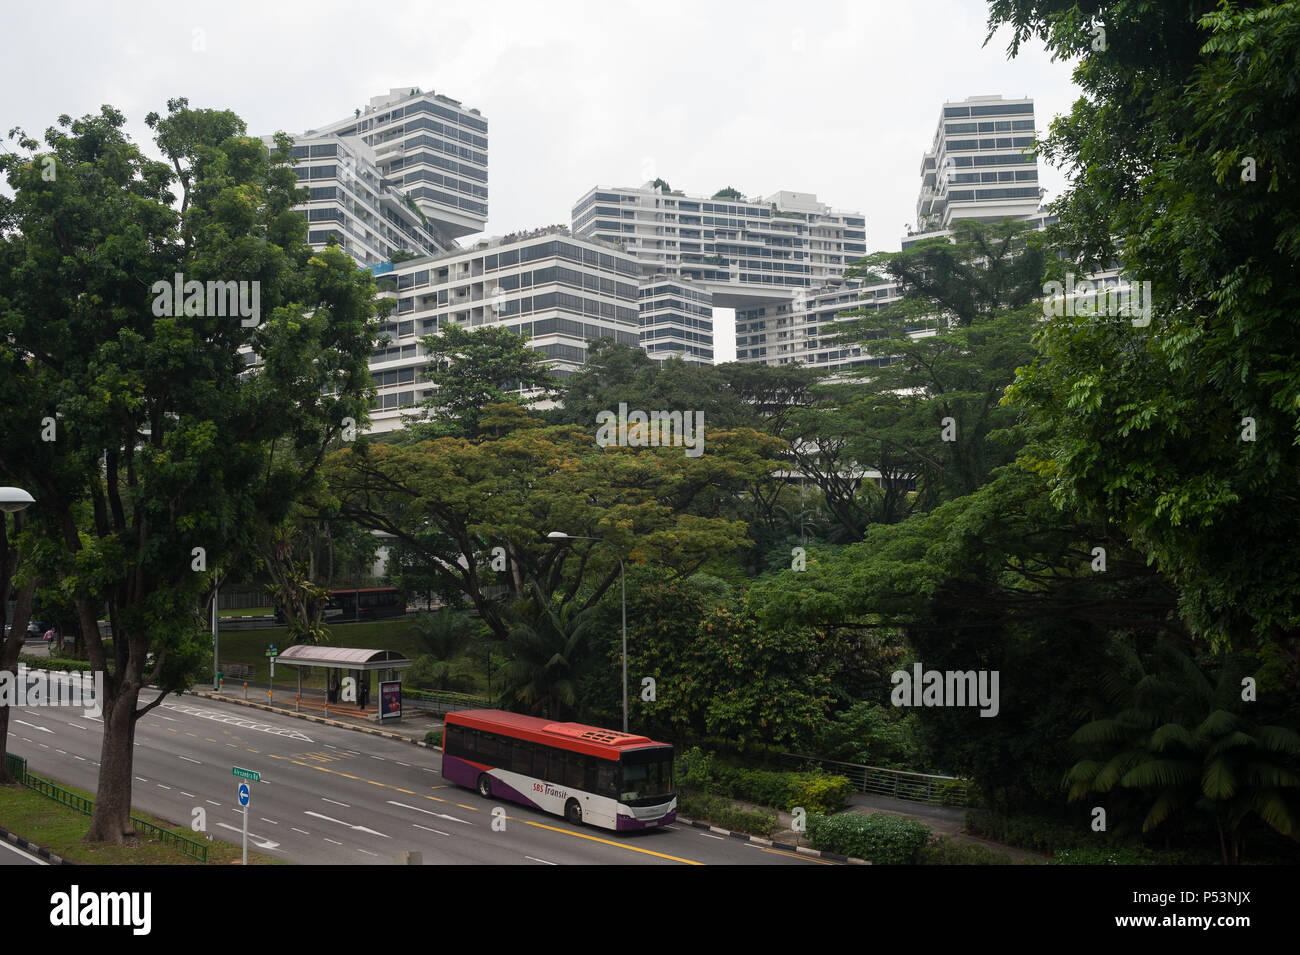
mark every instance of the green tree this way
{"type": "Point", "coordinates": [470, 370]}
{"type": "Point", "coordinates": [1180, 151]}
{"type": "Point", "coordinates": [1182, 736]}
{"type": "Point", "coordinates": [162, 456]}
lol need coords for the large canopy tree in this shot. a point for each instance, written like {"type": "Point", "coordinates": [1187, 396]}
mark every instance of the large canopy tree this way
{"type": "Point", "coordinates": [150, 438]}
{"type": "Point", "coordinates": [1185, 433]}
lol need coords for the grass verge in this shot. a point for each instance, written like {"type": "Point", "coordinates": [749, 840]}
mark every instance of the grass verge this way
{"type": "Point", "coordinates": [61, 830]}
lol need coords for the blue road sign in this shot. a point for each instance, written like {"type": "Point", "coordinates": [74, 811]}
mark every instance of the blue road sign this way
{"type": "Point", "coordinates": [243, 794]}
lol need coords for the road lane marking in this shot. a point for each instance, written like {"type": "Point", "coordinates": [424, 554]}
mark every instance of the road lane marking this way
{"type": "Point", "coordinates": [542, 861]}
{"type": "Point", "coordinates": [187, 759]}
{"type": "Point", "coordinates": [82, 758]}
{"type": "Point", "coordinates": [62, 752]}
{"type": "Point", "coordinates": [260, 841]}
{"type": "Point", "coordinates": [142, 779]}
{"type": "Point", "coordinates": [303, 831]}
{"type": "Point", "coordinates": [213, 802]}
{"type": "Point", "coordinates": [335, 841]}
{"type": "Point", "coordinates": [184, 793]}
{"type": "Point", "coordinates": [231, 720]}
{"type": "Point", "coordinates": [407, 765]}
{"type": "Point", "coordinates": [34, 726]}
{"type": "Point", "coordinates": [336, 802]}
{"type": "Point", "coordinates": [429, 812]}
{"type": "Point", "coordinates": [348, 824]}
{"type": "Point", "coordinates": [161, 786]}
{"type": "Point", "coordinates": [271, 821]}
{"type": "Point", "coordinates": [610, 842]}
{"type": "Point", "coordinates": [427, 829]}
{"type": "Point", "coordinates": [77, 725]}
{"type": "Point", "coordinates": [20, 852]}
{"type": "Point", "coordinates": [463, 806]}
{"type": "Point", "coordinates": [369, 853]}
{"type": "Point", "coordinates": [707, 836]}
{"type": "Point", "coordinates": [800, 856]}
{"type": "Point", "coordinates": [188, 733]}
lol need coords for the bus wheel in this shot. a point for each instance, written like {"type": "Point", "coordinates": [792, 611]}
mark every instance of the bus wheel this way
{"type": "Point", "coordinates": [485, 786]}
{"type": "Point", "coordinates": [573, 812]}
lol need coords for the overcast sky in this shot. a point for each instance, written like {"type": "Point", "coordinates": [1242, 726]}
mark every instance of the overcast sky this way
{"type": "Point", "coordinates": [834, 98]}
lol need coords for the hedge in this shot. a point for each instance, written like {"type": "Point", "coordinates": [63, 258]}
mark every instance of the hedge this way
{"type": "Point", "coordinates": [720, 813]}
{"type": "Point", "coordinates": [885, 840]}
{"type": "Point", "coordinates": [946, 851]}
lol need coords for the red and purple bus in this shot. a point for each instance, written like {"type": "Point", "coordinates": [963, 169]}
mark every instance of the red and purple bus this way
{"type": "Point", "coordinates": [586, 774]}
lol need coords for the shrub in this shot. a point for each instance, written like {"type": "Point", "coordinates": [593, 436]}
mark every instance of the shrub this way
{"type": "Point", "coordinates": [1028, 832]}
{"type": "Point", "coordinates": [433, 738]}
{"type": "Point", "coordinates": [820, 793]}
{"type": "Point", "coordinates": [53, 663]}
{"type": "Point", "coordinates": [815, 792]}
{"type": "Point", "coordinates": [1105, 855]}
{"type": "Point", "coordinates": [945, 851]}
{"type": "Point", "coordinates": [711, 809]}
{"type": "Point", "coordinates": [887, 840]}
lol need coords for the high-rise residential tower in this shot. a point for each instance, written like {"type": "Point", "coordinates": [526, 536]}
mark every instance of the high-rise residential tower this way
{"type": "Point", "coordinates": [406, 174]}
{"type": "Point", "coordinates": [980, 165]}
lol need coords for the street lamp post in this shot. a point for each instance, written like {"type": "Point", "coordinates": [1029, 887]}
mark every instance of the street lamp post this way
{"type": "Point", "coordinates": [622, 574]}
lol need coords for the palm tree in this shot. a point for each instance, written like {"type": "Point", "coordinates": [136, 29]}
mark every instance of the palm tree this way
{"type": "Point", "coordinates": [548, 650]}
{"type": "Point", "coordinates": [1184, 738]}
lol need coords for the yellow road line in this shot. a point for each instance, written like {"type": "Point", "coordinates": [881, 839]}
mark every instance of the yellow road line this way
{"type": "Point", "coordinates": [798, 855]}
{"type": "Point", "coordinates": [610, 842]}
{"type": "Point", "coordinates": [463, 806]}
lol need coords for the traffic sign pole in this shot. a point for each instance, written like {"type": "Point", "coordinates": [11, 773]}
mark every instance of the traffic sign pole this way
{"type": "Point", "coordinates": [245, 799]}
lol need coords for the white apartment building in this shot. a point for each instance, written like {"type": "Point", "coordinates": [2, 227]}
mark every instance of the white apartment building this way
{"type": "Point", "coordinates": [979, 166]}
{"type": "Point", "coordinates": [737, 249]}
{"type": "Point", "coordinates": [559, 290]}
{"type": "Point", "coordinates": [408, 173]}
{"type": "Point", "coordinates": [976, 168]}
{"type": "Point", "coordinates": [676, 320]}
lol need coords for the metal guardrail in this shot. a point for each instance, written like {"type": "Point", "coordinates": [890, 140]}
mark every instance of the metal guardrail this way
{"type": "Point", "coordinates": [16, 766]}
{"type": "Point", "coordinates": [442, 701]}
{"type": "Point", "coordinates": [191, 848]}
{"type": "Point", "coordinates": [60, 795]}
{"type": "Point", "coordinates": [916, 787]}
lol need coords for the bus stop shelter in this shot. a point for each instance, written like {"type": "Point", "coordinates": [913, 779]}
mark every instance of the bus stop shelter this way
{"type": "Point", "coordinates": [387, 663]}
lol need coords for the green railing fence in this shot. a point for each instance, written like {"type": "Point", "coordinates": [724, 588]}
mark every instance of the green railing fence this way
{"type": "Point", "coordinates": [17, 767]}
{"type": "Point", "coordinates": [917, 787]}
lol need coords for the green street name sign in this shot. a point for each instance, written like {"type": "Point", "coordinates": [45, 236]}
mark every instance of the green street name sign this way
{"type": "Point", "coordinates": [246, 774]}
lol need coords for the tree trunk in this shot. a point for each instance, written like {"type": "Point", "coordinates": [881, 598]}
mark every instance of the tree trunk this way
{"type": "Point", "coordinates": [111, 821]}
{"type": "Point", "coordinates": [10, 647]}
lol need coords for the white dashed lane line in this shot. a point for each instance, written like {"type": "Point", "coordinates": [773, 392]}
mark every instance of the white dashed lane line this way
{"type": "Point", "coordinates": [188, 760]}
{"type": "Point", "coordinates": [348, 824]}
{"type": "Point", "coordinates": [542, 861]}
{"type": "Point", "coordinates": [336, 802]}
{"type": "Point", "coordinates": [427, 829]}
{"type": "Point", "coordinates": [369, 853]}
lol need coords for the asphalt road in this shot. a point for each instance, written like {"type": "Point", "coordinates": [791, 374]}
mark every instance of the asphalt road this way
{"type": "Point", "coordinates": [12, 855]}
{"type": "Point", "coordinates": [334, 796]}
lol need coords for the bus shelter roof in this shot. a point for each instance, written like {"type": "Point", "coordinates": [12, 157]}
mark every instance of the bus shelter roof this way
{"type": "Point", "coordinates": [346, 658]}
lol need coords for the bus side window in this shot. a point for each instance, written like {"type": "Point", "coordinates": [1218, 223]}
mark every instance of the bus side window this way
{"type": "Point", "coordinates": [573, 769]}
{"type": "Point", "coordinates": [522, 761]}
{"type": "Point", "coordinates": [455, 740]}
{"type": "Point", "coordinates": [607, 773]}
{"type": "Point", "coordinates": [541, 762]}
{"type": "Point", "coordinates": [589, 776]}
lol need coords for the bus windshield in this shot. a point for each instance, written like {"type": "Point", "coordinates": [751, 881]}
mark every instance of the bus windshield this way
{"type": "Point", "coordinates": [646, 776]}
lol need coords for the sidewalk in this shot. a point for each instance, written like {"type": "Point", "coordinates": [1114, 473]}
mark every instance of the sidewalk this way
{"type": "Point", "coordinates": [313, 706]}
